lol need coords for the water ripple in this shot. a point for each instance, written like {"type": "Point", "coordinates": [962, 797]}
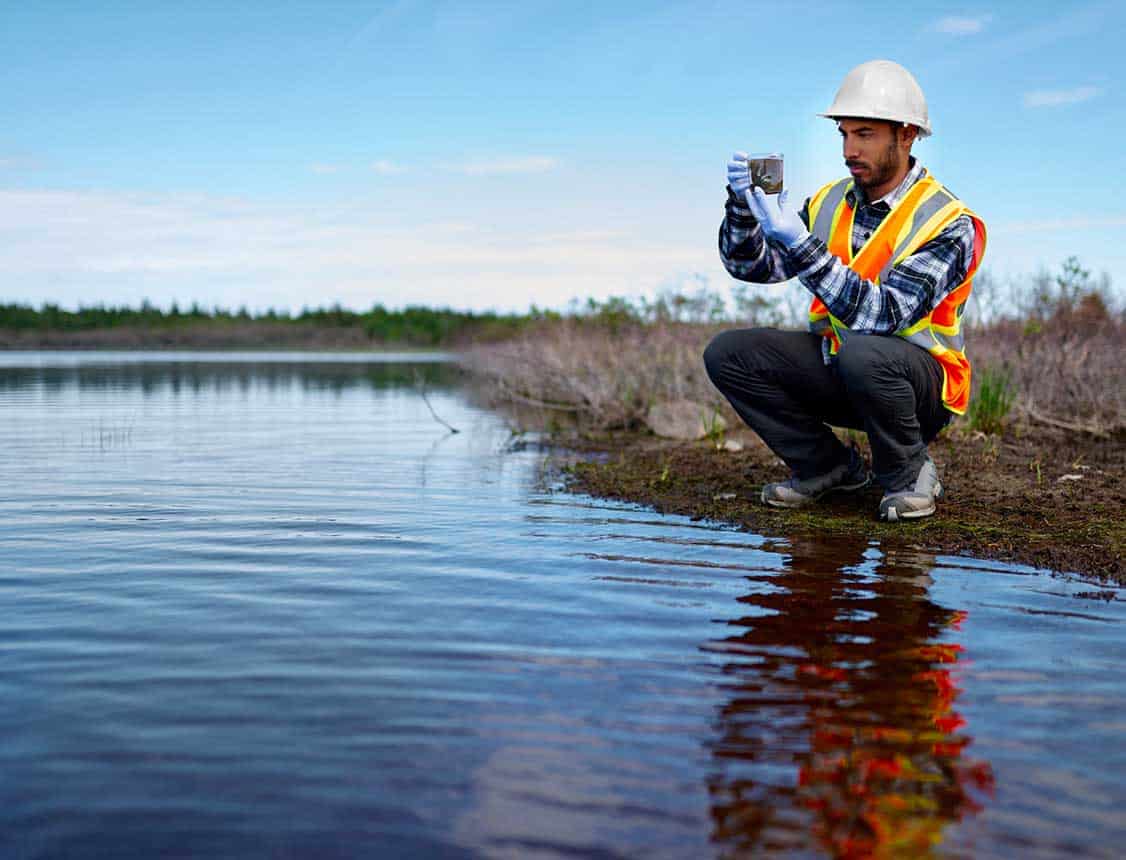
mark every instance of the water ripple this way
{"type": "Point", "coordinates": [258, 607]}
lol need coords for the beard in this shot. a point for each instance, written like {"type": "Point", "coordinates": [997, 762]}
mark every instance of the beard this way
{"type": "Point", "coordinates": [880, 171]}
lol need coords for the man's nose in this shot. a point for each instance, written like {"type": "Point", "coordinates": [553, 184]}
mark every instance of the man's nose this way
{"type": "Point", "coordinates": [849, 148]}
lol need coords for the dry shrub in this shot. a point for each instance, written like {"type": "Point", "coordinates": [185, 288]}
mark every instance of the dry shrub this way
{"type": "Point", "coordinates": [604, 376]}
{"type": "Point", "coordinates": [1060, 351]}
{"type": "Point", "coordinates": [1067, 371]}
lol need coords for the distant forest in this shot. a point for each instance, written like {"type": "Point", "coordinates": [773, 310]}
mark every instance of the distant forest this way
{"type": "Point", "coordinates": [24, 326]}
{"type": "Point", "coordinates": [150, 327]}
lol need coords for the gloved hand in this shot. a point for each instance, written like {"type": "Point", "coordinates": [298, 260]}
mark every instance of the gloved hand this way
{"type": "Point", "coordinates": [779, 223]}
{"type": "Point", "coordinates": [739, 174]}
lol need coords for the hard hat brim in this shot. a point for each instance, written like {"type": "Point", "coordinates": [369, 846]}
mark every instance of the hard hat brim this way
{"type": "Point", "coordinates": [924, 128]}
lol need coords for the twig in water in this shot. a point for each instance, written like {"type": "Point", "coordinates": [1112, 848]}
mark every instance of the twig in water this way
{"type": "Point", "coordinates": [421, 383]}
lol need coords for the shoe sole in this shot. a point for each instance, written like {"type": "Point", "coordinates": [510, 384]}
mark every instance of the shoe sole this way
{"type": "Point", "coordinates": [778, 503]}
{"type": "Point", "coordinates": [893, 515]}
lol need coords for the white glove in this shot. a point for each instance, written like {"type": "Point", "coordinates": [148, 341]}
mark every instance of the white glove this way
{"type": "Point", "coordinates": [779, 223]}
{"type": "Point", "coordinates": [739, 174]}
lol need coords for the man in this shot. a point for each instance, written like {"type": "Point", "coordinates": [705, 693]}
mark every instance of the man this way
{"type": "Point", "coordinates": [889, 255]}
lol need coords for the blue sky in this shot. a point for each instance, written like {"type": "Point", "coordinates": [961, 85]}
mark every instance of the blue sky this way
{"type": "Point", "coordinates": [496, 155]}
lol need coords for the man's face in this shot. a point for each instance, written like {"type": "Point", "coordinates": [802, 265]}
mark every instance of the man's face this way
{"type": "Point", "coordinates": [874, 152]}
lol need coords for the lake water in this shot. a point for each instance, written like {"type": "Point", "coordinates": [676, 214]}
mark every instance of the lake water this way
{"type": "Point", "coordinates": [266, 606]}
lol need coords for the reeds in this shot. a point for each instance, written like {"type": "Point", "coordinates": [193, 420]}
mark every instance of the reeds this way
{"type": "Point", "coordinates": [1057, 361]}
{"type": "Point", "coordinates": [598, 376]}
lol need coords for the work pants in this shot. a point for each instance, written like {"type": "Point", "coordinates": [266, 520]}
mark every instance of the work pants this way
{"type": "Point", "coordinates": [779, 384]}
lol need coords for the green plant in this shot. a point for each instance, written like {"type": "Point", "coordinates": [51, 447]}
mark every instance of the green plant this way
{"type": "Point", "coordinates": [714, 427]}
{"type": "Point", "coordinates": [993, 402]}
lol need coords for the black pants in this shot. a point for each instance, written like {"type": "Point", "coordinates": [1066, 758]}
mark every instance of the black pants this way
{"type": "Point", "coordinates": [883, 385]}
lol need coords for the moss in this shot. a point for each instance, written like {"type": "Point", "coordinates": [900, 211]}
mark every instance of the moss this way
{"type": "Point", "coordinates": [995, 507]}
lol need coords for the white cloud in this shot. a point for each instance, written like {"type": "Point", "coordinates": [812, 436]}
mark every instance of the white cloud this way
{"type": "Point", "coordinates": [1056, 98]}
{"type": "Point", "coordinates": [388, 168]}
{"type": "Point", "coordinates": [962, 25]}
{"type": "Point", "coordinates": [81, 247]}
{"type": "Point", "coordinates": [516, 164]}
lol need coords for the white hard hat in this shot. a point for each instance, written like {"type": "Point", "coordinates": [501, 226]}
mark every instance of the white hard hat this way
{"type": "Point", "coordinates": [881, 89]}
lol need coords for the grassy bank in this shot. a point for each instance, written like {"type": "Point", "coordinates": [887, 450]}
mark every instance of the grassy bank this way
{"type": "Point", "coordinates": [1034, 469]}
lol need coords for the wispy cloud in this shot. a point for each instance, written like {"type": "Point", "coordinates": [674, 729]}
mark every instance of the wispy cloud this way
{"type": "Point", "coordinates": [1056, 98]}
{"type": "Point", "coordinates": [19, 162]}
{"type": "Point", "coordinates": [1062, 225]}
{"type": "Point", "coordinates": [388, 168]}
{"type": "Point", "coordinates": [516, 164]}
{"type": "Point", "coordinates": [962, 25]}
{"type": "Point", "coordinates": [71, 246]}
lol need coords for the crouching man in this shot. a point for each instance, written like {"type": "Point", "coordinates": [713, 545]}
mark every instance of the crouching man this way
{"type": "Point", "coordinates": [889, 255]}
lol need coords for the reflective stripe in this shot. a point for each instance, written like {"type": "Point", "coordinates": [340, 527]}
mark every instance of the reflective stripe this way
{"type": "Point", "coordinates": [816, 200]}
{"type": "Point", "coordinates": [926, 210]}
{"type": "Point", "coordinates": [826, 214]}
{"type": "Point", "coordinates": [919, 228]}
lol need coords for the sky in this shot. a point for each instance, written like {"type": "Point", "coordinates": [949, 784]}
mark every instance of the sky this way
{"type": "Point", "coordinates": [501, 155]}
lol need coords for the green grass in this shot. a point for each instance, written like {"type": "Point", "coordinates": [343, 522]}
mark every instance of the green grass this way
{"type": "Point", "coordinates": [994, 400]}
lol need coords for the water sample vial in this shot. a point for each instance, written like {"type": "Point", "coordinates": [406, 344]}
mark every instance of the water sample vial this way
{"type": "Point", "coordinates": [766, 171]}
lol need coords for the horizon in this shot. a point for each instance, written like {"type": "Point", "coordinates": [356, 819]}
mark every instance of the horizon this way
{"type": "Point", "coordinates": [492, 157]}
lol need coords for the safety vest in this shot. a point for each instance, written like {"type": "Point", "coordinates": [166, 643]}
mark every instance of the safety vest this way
{"type": "Point", "coordinates": [924, 211]}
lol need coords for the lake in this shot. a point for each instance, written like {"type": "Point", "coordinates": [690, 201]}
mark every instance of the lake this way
{"type": "Point", "coordinates": [265, 605]}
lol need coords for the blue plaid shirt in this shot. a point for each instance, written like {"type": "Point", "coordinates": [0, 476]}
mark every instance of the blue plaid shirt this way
{"type": "Point", "coordinates": [911, 290]}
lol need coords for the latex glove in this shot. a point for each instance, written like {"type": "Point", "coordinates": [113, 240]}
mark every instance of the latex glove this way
{"type": "Point", "coordinates": [779, 223]}
{"type": "Point", "coordinates": [739, 174]}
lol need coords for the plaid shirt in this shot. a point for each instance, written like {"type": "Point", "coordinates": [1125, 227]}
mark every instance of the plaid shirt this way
{"type": "Point", "coordinates": [911, 291]}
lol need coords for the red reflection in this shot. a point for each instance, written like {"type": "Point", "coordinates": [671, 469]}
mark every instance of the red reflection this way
{"type": "Point", "coordinates": [840, 732]}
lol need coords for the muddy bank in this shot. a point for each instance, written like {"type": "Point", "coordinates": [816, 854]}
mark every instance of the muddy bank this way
{"type": "Point", "coordinates": [1050, 500]}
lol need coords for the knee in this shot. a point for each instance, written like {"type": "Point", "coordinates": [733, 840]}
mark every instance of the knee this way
{"type": "Point", "coordinates": [717, 352]}
{"type": "Point", "coordinates": [738, 347]}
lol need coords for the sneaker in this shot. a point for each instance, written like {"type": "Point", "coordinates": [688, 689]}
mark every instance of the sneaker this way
{"type": "Point", "coordinates": [915, 502]}
{"type": "Point", "coordinates": [796, 493]}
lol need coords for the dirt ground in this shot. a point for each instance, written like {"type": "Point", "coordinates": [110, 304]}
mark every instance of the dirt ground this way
{"type": "Point", "coordinates": [1052, 501]}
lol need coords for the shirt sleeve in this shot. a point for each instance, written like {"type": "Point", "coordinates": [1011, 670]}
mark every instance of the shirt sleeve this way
{"type": "Point", "coordinates": [744, 250]}
{"type": "Point", "coordinates": [911, 291]}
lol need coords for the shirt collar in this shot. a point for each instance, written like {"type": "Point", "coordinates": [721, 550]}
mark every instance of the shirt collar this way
{"type": "Point", "coordinates": [915, 172]}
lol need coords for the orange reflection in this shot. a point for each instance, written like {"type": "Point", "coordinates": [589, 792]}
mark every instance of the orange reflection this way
{"type": "Point", "coordinates": [840, 733]}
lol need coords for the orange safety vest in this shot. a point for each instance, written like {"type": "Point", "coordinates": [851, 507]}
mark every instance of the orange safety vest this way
{"type": "Point", "coordinates": [924, 211]}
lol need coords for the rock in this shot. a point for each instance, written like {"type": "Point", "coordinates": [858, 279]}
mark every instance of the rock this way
{"type": "Point", "coordinates": [683, 419]}
{"type": "Point", "coordinates": [732, 445]}
{"type": "Point", "coordinates": [724, 497]}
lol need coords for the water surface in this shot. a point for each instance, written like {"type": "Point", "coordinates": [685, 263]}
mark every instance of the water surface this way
{"type": "Point", "coordinates": [264, 605]}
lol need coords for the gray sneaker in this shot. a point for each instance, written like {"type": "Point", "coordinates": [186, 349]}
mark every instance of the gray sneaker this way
{"type": "Point", "coordinates": [915, 502]}
{"type": "Point", "coordinates": [795, 493]}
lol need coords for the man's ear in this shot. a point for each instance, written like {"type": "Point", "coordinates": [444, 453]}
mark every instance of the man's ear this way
{"type": "Point", "coordinates": [908, 134]}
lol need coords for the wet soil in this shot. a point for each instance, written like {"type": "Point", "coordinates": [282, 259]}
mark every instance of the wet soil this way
{"type": "Point", "coordinates": [1051, 501]}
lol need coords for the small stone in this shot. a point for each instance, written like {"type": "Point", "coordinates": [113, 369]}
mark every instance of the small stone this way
{"type": "Point", "coordinates": [724, 497]}
{"type": "Point", "coordinates": [732, 445]}
{"type": "Point", "coordinates": [683, 419]}
{"type": "Point", "coordinates": [1070, 478]}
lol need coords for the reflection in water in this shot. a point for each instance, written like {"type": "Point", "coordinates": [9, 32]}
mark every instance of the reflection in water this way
{"type": "Point", "coordinates": [214, 376]}
{"type": "Point", "coordinates": [840, 731]}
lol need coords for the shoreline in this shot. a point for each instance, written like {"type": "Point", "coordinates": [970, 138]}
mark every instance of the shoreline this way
{"type": "Point", "coordinates": [1051, 503]}
{"type": "Point", "coordinates": [1049, 498]}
